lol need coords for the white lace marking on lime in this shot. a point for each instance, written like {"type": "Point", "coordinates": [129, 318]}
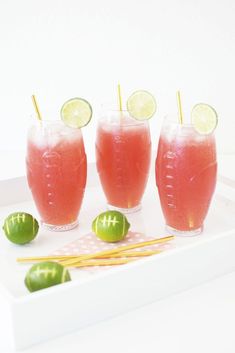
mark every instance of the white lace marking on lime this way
{"type": "Point", "coordinates": [7, 228]}
{"type": "Point", "coordinates": [63, 277]}
{"type": "Point", "coordinates": [46, 272]}
{"type": "Point", "coordinates": [33, 226]}
{"type": "Point", "coordinates": [123, 224]}
{"type": "Point", "coordinates": [96, 225]}
{"type": "Point", "coordinates": [18, 217]}
{"type": "Point", "coordinates": [110, 221]}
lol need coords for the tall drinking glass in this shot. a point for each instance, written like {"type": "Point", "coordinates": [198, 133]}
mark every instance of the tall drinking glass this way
{"type": "Point", "coordinates": [186, 171]}
{"type": "Point", "coordinates": [56, 172]}
{"type": "Point", "coordinates": [123, 149]}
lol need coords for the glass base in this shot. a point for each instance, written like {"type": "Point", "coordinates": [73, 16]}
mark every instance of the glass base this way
{"type": "Point", "coordinates": [184, 233]}
{"type": "Point", "coordinates": [59, 228]}
{"type": "Point", "coordinates": [124, 210]}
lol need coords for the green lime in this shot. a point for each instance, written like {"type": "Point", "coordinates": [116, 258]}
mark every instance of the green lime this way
{"type": "Point", "coordinates": [204, 118]}
{"type": "Point", "coordinates": [20, 227]}
{"type": "Point", "coordinates": [46, 274]}
{"type": "Point", "coordinates": [141, 105]}
{"type": "Point", "coordinates": [76, 112]}
{"type": "Point", "coordinates": [111, 226]}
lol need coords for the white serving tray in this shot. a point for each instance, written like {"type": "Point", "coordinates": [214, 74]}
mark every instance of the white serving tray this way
{"type": "Point", "coordinates": [93, 296]}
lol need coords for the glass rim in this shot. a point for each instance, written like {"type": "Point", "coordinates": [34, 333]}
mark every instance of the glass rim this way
{"type": "Point", "coordinates": [34, 121]}
{"type": "Point", "coordinates": [172, 123]}
{"type": "Point", "coordinates": [173, 119]}
{"type": "Point", "coordinates": [113, 117]}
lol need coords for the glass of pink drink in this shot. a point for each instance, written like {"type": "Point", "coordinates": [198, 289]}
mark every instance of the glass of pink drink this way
{"type": "Point", "coordinates": [123, 151]}
{"type": "Point", "coordinates": [186, 171]}
{"type": "Point", "coordinates": [56, 172]}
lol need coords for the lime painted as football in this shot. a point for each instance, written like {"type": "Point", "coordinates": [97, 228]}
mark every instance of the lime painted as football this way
{"type": "Point", "coordinates": [20, 227]}
{"type": "Point", "coordinates": [111, 226]}
{"type": "Point", "coordinates": [46, 274]}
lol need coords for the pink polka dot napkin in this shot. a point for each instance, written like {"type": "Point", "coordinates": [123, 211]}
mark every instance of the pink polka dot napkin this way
{"type": "Point", "coordinates": [89, 243]}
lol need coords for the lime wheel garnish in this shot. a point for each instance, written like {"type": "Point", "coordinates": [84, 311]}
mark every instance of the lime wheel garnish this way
{"type": "Point", "coordinates": [76, 112]}
{"type": "Point", "coordinates": [204, 118]}
{"type": "Point", "coordinates": [141, 105]}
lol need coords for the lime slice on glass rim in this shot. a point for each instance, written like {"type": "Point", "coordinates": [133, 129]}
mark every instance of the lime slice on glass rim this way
{"type": "Point", "coordinates": [76, 112]}
{"type": "Point", "coordinates": [141, 105]}
{"type": "Point", "coordinates": [204, 118]}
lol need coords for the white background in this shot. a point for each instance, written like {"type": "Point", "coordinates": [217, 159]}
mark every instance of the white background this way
{"type": "Point", "coordinates": [59, 49]}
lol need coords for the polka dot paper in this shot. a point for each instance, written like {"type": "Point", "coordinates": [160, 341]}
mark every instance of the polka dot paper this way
{"type": "Point", "coordinates": [89, 243]}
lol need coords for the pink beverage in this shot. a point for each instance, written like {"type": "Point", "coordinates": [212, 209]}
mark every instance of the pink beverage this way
{"type": "Point", "coordinates": [56, 171]}
{"type": "Point", "coordinates": [123, 149]}
{"type": "Point", "coordinates": [186, 177]}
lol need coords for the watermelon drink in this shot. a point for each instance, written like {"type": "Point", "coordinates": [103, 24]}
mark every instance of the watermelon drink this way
{"type": "Point", "coordinates": [56, 172]}
{"type": "Point", "coordinates": [186, 170]}
{"type": "Point", "coordinates": [123, 150]}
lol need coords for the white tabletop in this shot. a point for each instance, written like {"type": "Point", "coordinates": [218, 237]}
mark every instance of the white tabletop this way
{"type": "Point", "coordinates": [197, 320]}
